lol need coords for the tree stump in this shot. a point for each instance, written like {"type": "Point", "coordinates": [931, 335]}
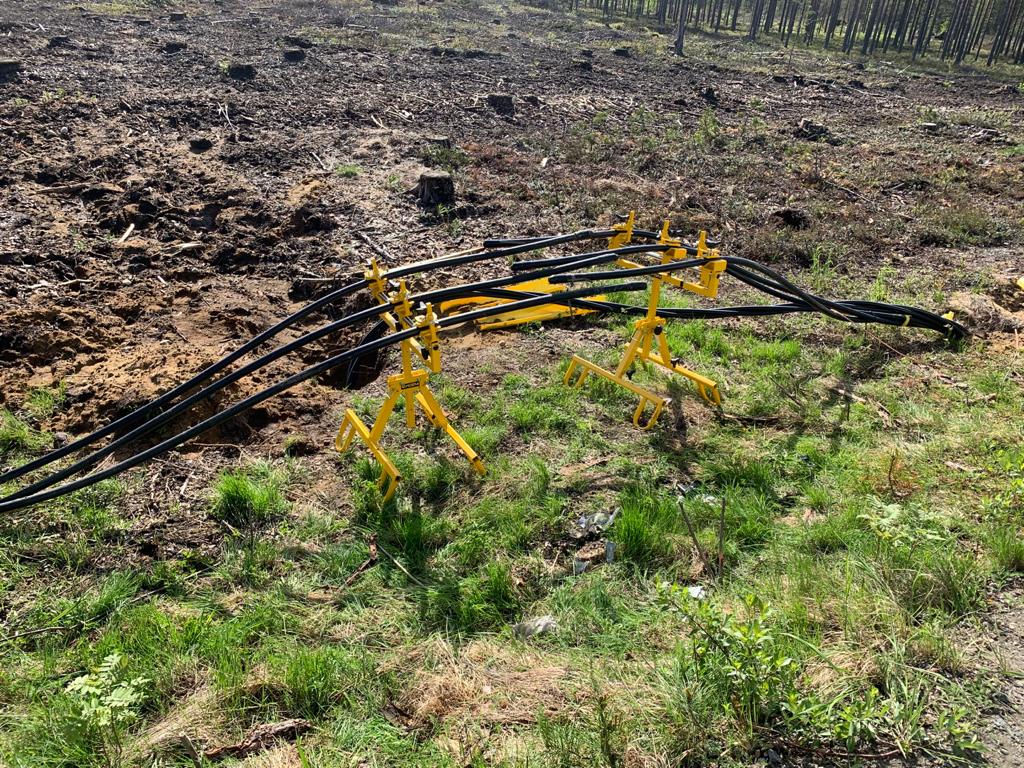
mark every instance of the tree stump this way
{"type": "Point", "coordinates": [9, 68]}
{"type": "Point", "coordinates": [240, 71]}
{"type": "Point", "coordinates": [501, 103]}
{"type": "Point", "coordinates": [435, 188]}
{"type": "Point", "coordinates": [294, 54]}
{"type": "Point", "coordinates": [178, 15]}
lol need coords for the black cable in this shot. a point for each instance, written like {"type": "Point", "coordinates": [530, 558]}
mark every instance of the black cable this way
{"type": "Point", "coordinates": [165, 416]}
{"type": "Point", "coordinates": [135, 416]}
{"type": "Point", "coordinates": [566, 297]}
{"type": "Point", "coordinates": [846, 312]}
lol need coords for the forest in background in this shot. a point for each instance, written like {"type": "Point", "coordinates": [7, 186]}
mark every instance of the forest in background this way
{"type": "Point", "coordinates": [952, 30]}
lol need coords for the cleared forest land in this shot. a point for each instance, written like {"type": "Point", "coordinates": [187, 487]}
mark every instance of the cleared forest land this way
{"type": "Point", "coordinates": [178, 178]}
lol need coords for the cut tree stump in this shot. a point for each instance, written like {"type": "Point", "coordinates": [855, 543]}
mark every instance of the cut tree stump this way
{"type": "Point", "coordinates": [240, 71]}
{"type": "Point", "coordinates": [178, 15]}
{"type": "Point", "coordinates": [435, 188]}
{"type": "Point", "coordinates": [501, 103]}
{"type": "Point", "coordinates": [9, 68]}
{"type": "Point", "coordinates": [294, 54]}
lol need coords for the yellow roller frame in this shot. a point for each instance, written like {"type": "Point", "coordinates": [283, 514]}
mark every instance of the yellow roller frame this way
{"type": "Point", "coordinates": [536, 314]}
{"type": "Point", "coordinates": [649, 342]}
{"type": "Point", "coordinates": [412, 384]}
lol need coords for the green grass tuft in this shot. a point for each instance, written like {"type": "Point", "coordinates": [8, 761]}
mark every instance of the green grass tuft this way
{"type": "Point", "coordinates": [249, 497]}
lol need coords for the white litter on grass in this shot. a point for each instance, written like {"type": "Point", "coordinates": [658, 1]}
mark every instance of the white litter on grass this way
{"type": "Point", "coordinates": [541, 625]}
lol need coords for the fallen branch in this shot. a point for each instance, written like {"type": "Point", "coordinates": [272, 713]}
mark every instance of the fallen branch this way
{"type": "Point", "coordinates": [369, 563]}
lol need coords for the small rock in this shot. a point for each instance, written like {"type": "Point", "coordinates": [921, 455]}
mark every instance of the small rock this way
{"type": "Point", "coordinates": [300, 445]}
{"type": "Point", "coordinates": [298, 41]}
{"type": "Point", "coordinates": [697, 592]}
{"type": "Point", "coordinates": [625, 53]}
{"type": "Point", "coordinates": [240, 71]}
{"type": "Point", "coordinates": [294, 54]}
{"type": "Point", "coordinates": [200, 144]}
{"type": "Point", "coordinates": [592, 552]}
{"type": "Point", "coordinates": [60, 41]}
{"type": "Point", "coordinates": [175, 46]}
{"type": "Point", "coordinates": [598, 522]}
{"type": "Point", "coordinates": [542, 625]}
{"type": "Point", "coordinates": [585, 64]}
{"type": "Point", "coordinates": [61, 439]}
{"type": "Point", "coordinates": [439, 141]}
{"type": "Point", "coordinates": [709, 94]}
{"type": "Point", "coordinates": [178, 15]}
{"type": "Point", "coordinates": [501, 103]}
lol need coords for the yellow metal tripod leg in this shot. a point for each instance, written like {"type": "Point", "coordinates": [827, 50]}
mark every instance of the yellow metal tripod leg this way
{"type": "Point", "coordinates": [351, 427]}
{"type": "Point", "coordinates": [435, 414]}
{"type": "Point", "coordinates": [647, 398]}
{"type": "Point", "coordinates": [707, 388]}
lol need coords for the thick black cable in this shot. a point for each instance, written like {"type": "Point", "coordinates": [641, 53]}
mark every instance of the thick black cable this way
{"type": "Point", "coordinates": [781, 287]}
{"type": "Point", "coordinates": [566, 297]}
{"type": "Point", "coordinates": [165, 416]}
{"type": "Point", "coordinates": [139, 413]}
{"type": "Point", "coordinates": [850, 311]}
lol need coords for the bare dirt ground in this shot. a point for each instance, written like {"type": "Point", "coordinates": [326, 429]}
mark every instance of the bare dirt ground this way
{"type": "Point", "coordinates": [171, 185]}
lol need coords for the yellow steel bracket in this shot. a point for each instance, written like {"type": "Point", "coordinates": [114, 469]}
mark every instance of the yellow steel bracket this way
{"type": "Point", "coordinates": [411, 385]}
{"type": "Point", "coordinates": [623, 232]}
{"type": "Point", "coordinates": [649, 341]}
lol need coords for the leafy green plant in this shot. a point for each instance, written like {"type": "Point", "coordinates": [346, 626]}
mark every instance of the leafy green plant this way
{"type": "Point", "coordinates": [107, 705]}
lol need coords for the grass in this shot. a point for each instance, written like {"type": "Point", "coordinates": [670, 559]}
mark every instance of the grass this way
{"type": "Point", "coordinates": [840, 561]}
{"type": "Point", "coordinates": [247, 498]}
{"type": "Point", "coordinates": [18, 437]}
{"type": "Point", "coordinates": [346, 171]}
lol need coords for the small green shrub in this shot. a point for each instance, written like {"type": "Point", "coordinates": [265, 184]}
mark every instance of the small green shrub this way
{"type": "Point", "coordinates": [708, 134]}
{"type": "Point", "coordinates": [347, 171]}
{"type": "Point", "coordinates": [107, 705]}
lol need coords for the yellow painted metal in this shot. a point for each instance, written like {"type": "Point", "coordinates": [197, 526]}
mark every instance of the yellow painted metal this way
{"type": "Point", "coordinates": [522, 316]}
{"type": "Point", "coordinates": [648, 342]}
{"type": "Point", "coordinates": [411, 385]}
{"type": "Point", "coordinates": [584, 367]}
